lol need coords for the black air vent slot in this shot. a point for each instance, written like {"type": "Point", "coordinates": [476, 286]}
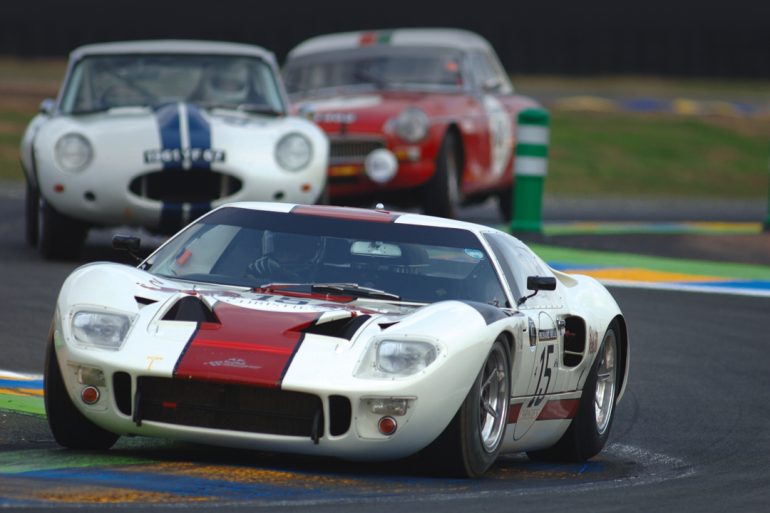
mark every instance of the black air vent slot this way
{"type": "Point", "coordinates": [340, 414]}
{"type": "Point", "coordinates": [121, 385]}
{"type": "Point", "coordinates": [341, 328]}
{"type": "Point", "coordinates": [574, 341]}
{"type": "Point", "coordinates": [190, 308]}
{"type": "Point", "coordinates": [144, 300]}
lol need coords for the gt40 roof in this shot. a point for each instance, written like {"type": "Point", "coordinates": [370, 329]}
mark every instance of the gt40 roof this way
{"type": "Point", "coordinates": [442, 37]}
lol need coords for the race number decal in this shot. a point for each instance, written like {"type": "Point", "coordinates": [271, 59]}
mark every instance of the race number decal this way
{"type": "Point", "coordinates": [545, 366]}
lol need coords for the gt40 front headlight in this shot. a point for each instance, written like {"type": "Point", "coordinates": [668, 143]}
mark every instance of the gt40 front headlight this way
{"type": "Point", "coordinates": [104, 330]}
{"type": "Point", "coordinates": [412, 125]}
{"type": "Point", "coordinates": [73, 152]}
{"type": "Point", "coordinates": [404, 357]}
{"type": "Point", "coordinates": [293, 152]}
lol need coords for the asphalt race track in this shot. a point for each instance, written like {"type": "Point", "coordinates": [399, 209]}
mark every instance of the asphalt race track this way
{"type": "Point", "coordinates": [691, 434]}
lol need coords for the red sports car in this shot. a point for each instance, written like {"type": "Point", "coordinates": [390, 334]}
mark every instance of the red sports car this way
{"type": "Point", "coordinates": [420, 116]}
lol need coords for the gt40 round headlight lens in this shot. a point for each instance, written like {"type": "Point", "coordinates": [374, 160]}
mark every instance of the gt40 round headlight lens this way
{"type": "Point", "coordinates": [412, 125]}
{"type": "Point", "coordinates": [293, 152]}
{"type": "Point", "coordinates": [404, 357]}
{"type": "Point", "coordinates": [73, 152]}
{"type": "Point", "coordinates": [105, 330]}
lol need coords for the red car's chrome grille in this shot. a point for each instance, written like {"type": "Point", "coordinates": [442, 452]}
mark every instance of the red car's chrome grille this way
{"type": "Point", "coordinates": [351, 151]}
{"type": "Point", "coordinates": [191, 186]}
{"type": "Point", "coordinates": [229, 407]}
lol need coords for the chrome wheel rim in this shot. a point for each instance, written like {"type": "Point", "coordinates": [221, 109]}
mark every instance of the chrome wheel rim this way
{"type": "Point", "coordinates": [493, 400]}
{"type": "Point", "coordinates": [604, 397]}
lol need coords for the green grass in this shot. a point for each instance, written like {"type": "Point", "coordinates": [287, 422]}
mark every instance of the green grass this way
{"type": "Point", "coordinates": [662, 155]}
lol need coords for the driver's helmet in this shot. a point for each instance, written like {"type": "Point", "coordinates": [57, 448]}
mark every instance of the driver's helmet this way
{"type": "Point", "coordinates": [228, 84]}
{"type": "Point", "coordinates": [291, 249]}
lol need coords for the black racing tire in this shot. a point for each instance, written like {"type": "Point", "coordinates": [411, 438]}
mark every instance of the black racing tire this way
{"type": "Point", "coordinates": [440, 196]}
{"type": "Point", "coordinates": [31, 209]}
{"type": "Point", "coordinates": [59, 237]}
{"type": "Point", "coordinates": [589, 431]}
{"type": "Point", "coordinates": [505, 204]}
{"type": "Point", "coordinates": [70, 428]}
{"type": "Point", "coordinates": [472, 441]}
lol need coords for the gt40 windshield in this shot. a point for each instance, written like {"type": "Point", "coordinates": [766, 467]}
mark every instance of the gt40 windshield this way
{"type": "Point", "coordinates": [242, 247]}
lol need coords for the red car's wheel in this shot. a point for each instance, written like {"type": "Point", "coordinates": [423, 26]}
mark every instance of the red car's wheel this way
{"type": "Point", "coordinates": [441, 194]}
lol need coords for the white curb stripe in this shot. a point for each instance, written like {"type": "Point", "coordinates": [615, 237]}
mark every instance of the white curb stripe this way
{"type": "Point", "coordinates": [532, 134]}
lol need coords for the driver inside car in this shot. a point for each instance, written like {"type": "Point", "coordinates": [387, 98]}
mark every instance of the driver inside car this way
{"type": "Point", "coordinates": [286, 257]}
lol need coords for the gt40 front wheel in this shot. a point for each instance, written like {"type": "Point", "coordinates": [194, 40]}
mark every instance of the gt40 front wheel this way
{"type": "Point", "coordinates": [472, 441]}
{"type": "Point", "coordinates": [68, 426]}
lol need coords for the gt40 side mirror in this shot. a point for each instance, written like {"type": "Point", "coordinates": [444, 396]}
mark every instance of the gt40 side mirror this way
{"type": "Point", "coordinates": [537, 283]}
{"type": "Point", "coordinates": [127, 243]}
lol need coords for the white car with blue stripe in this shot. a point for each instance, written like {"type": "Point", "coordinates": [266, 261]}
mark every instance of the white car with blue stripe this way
{"type": "Point", "coordinates": [154, 134]}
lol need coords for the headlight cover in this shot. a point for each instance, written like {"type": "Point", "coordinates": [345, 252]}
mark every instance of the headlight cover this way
{"type": "Point", "coordinates": [412, 125]}
{"type": "Point", "coordinates": [400, 358]}
{"type": "Point", "coordinates": [293, 152]}
{"type": "Point", "coordinates": [73, 152]}
{"type": "Point", "coordinates": [104, 330]}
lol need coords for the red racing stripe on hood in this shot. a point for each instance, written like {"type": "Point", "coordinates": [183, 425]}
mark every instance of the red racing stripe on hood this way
{"type": "Point", "coordinates": [249, 346]}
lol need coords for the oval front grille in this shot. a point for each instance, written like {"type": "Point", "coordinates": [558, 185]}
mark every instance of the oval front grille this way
{"type": "Point", "coordinates": [191, 186]}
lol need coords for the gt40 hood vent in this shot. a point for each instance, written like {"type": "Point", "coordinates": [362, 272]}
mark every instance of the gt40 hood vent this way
{"type": "Point", "coordinates": [191, 308]}
{"type": "Point", "coordinates": [341, 328]}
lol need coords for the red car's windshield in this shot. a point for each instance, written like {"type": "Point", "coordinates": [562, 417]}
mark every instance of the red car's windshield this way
{"type": "Point", "coordinates": [378, 67]}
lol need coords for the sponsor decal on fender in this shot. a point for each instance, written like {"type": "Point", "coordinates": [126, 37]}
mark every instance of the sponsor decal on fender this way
{"type": "Point", "coordinates": [544, 335]}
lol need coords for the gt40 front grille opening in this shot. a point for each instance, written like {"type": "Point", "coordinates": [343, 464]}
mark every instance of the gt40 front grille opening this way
{"type": "Point", "coordinates": [121, 386]}
{"type": "Point", "coordinates": [230, 407]}
{"type": "Point", "coordinates": [574, 341]}
{"type": "Point", "coordinates": [190, 186]}
{"type": "Point", "coordinates": [340, 414]}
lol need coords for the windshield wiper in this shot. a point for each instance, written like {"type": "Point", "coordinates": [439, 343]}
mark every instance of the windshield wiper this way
{"type": "Point", "coordinates": [354, 289]}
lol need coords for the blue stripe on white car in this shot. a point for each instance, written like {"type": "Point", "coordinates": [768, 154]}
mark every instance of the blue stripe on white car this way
{"type": "Point", "coordinates": [185, 132]}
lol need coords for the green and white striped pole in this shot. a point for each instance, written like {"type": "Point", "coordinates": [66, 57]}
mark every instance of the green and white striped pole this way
{"type": "Point", "coordinates": [766, 224]}
{"type": "Point", "coordinates": [530, 168]}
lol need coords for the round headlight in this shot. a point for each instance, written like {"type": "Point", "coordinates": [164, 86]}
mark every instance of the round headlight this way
{"type": "Point", "coordinates": [293, 152]}
{"type": "Point", "coordinates": [381, 165]}
{"type": "Point", "coordinates": [412, 125]}
{"type": "Point", "coordinates": [73, 152]}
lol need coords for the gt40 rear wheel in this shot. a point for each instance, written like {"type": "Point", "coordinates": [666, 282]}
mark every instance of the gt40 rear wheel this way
{"type": "Point", "coordinates": [69, 427]}
{"type": "Point", "coordinates": [472, 441]}
{"type": "Point", "coordinates": [590, 428]}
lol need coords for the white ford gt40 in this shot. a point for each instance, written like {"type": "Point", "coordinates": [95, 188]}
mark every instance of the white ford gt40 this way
{"type": "Point", "coordinates": [360, 334]}
{"type": "Point", "coordinates": [155, 133]}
